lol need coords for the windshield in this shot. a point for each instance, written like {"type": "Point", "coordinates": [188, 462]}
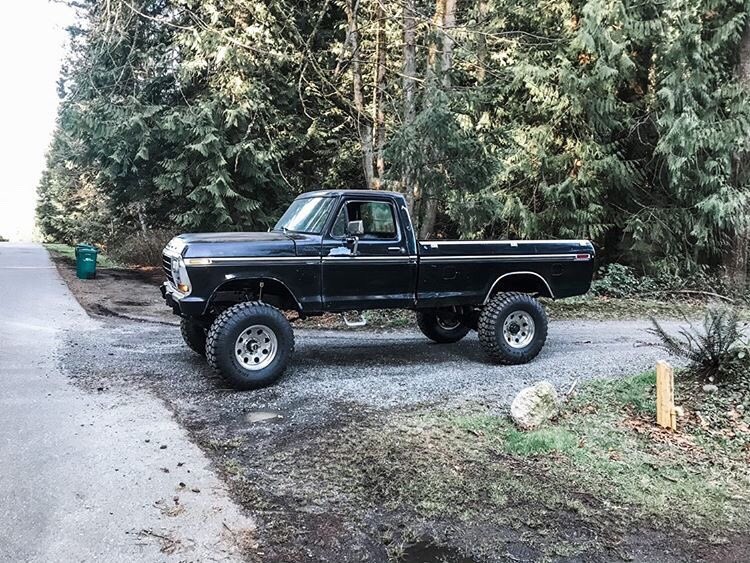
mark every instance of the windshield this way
{"type": "Point", "coordinates": [306, 215]}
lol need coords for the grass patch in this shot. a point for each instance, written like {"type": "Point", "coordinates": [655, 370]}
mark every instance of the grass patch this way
{"type": "Point", "coordinates": [67, 252]}
{"type": "Point", "coordinates": [539, 442]}
{"type": "Point", "coordinates": [636, 394]}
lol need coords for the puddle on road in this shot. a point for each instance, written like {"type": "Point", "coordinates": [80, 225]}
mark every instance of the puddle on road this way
{"type": "Point", "coordinates": [427, 552]}
{"type": "Point", "coordinates": [264, 416]}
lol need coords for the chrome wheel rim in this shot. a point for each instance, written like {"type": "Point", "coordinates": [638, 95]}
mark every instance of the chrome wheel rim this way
{"type": "Point", "coordinates": [518, 329]}
{"type": "Point", "coordinates": [256, 347]}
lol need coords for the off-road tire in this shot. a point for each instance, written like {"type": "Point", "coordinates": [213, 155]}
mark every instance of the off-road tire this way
{"type": "Point", "coordinates": [491, 322]}
{"type": "Point", "coordinates": [194, 336]}
{"type": "Point", "coordinates": [222, 339]}
{"type": "Point", "coordinates": [428, 323]}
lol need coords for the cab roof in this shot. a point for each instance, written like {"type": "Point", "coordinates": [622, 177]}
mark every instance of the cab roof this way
{"type": "Point", "coordinates": [337, 193]}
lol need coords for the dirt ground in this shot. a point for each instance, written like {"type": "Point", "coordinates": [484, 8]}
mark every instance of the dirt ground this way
{"type": "Point", "coordinates": [383, 447]}
{"type": "Point", "coordinates": [127, 293]}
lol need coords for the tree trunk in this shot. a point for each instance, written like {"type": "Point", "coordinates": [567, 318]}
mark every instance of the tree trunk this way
{"type": "Point", "coordinates": [449, 24]}
{"type": "Point", "coordinates": [378, 112]}
{"type": "Point", "coordinates": [482, 11]}
{"type": "Point", "coordinates": [364, 126]}
{"type": "Point", "coordinates": [445, 19]}
{"type": "Point", "coordinates": [141, 217]}
{"type": "Point", "coordinates": [411, 189]}
{"type": "Point", "coordinates": [737, 253]}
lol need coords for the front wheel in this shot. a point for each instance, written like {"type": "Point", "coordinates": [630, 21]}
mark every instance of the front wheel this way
{"type": "Point", "coordinates": [194, 336]}
{"type": "Point", "coordinates": [250, 344]}
{"type": "Point", "coordinates": [513, 328]}
{"type": "Point", "coordinates": [442, 325]}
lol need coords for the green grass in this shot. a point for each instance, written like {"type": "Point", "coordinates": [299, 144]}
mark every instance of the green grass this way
{"type": "Point", "coordinates": [636, 393]}
{"type": "Point", "coordinates": [68, 252]}
{"type": "Point", "coordinates": [539, 442]}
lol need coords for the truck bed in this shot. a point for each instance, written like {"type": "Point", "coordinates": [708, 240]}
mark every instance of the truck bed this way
{"type": "Point", "coordinates": [468, 270]}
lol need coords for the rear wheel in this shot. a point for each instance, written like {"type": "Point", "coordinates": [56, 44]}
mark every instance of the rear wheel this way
{"type": "Point", "coordinates": [194, 336]}
{"type": "Point", "coordinates": [250, 344]}
{"type": "Point", "coordinates": [513, 328]}
{"type": "Point", "coordinates": [442, 325]}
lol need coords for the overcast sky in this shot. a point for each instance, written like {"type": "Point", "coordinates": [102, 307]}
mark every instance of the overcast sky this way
{"type": "Point", "coordinates": [32, 44]}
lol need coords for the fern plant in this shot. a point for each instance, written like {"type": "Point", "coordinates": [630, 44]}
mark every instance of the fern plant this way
{"type": "Point", "coordinates": [718, 352]}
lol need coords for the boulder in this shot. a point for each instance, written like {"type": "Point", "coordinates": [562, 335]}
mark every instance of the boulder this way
{"type": "Point", "coordinates": [535, 405]}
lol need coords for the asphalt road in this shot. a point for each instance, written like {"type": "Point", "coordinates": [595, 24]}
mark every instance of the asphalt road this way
{"type": "Point", "coordinates": [89, 476]}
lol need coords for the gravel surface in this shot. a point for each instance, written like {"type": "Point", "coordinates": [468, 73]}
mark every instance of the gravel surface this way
{"type": "Point", "coordinates": [374, 370]}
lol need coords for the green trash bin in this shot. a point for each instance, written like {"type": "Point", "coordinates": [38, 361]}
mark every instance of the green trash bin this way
{"type": "Point", "coordinates": [86, 261]}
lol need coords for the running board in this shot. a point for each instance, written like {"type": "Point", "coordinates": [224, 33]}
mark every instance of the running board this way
{"type": "Point", "coordinates": [354, 324]}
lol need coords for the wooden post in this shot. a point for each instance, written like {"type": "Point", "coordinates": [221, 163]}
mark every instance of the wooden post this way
{"type": "Point", "coordinates": [666, 415]}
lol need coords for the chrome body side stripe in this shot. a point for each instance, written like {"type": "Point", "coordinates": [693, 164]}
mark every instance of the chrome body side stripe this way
{"type": "Point", "coordinates": [504, 258]}
{"type": "Point", "coordinates": [432, 243]}
{"type": "Point", "coordinates": [404, 259]}
{"type": "Point", "coordinates": [252, 259]}
{"type": "Point", "coordinates": [194, 262]}
{"type": "Point", "coordinates": [294, 259]}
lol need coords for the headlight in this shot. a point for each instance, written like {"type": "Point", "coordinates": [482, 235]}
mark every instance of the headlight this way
{"type": "Point", "coordinates": [180, 275]}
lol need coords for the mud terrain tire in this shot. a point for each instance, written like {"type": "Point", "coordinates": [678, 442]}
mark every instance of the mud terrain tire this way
{"type": "Point", "coordinates": [250, 344]}
{"type": "Point", "coordinates": [513, 328]}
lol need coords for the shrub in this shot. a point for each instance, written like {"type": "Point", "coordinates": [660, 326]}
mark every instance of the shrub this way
{"type": "Point", "coordinates": [140, 249]}
{"type": "Point", "coordinates": [615, 280]}
{"type": "Point", "coordinates": [718, 352]}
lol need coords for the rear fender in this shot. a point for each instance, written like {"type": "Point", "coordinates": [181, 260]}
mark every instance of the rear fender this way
{"type": "Point", "coordinates": [524, 282]}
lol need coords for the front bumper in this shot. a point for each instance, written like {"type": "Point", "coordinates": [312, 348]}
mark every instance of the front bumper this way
{"type": "Point", "coordinates": [184, 306]}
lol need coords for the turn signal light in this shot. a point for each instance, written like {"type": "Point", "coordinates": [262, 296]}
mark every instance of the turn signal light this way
{"type": "Point", "coordinates": [183, 287]}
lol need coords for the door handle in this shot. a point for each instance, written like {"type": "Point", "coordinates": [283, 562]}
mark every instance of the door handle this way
{"type": "Point", "coordinates": [396, 249]}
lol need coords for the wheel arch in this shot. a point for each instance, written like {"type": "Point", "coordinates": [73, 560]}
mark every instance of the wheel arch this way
{"type": "Point", "coordinates": [523, 281]}
{"type": "Point", "coordinates": [262, 288]}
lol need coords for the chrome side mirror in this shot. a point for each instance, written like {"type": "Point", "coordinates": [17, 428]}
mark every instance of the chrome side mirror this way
{"type": "Point", "coordinates": [353, 230]}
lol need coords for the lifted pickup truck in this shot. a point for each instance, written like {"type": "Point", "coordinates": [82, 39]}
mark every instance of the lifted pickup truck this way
{"type": "Point", "coordinates": [345, 251]}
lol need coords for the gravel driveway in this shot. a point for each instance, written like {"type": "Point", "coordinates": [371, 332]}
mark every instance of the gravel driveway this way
{"type": "Point", "coordinates": [372, 370]}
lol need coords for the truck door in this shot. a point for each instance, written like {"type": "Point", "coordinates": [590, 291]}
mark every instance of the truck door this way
{"type": "Point", "coordinates": [381, 274]}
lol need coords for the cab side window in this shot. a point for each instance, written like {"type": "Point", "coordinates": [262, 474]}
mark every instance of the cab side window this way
{"type": "Point", "coordinates": [377, 219]}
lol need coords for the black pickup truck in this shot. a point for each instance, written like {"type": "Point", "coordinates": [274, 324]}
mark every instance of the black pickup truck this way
{"type": "Point", "coordinates": [353, 250]}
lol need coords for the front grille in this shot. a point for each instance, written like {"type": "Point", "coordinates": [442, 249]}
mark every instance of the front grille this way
{"type": "Point", "coordinates": [167, 263]}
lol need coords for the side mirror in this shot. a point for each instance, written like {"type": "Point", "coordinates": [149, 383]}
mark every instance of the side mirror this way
{"type": "Point", "coordinates": [355, 228]}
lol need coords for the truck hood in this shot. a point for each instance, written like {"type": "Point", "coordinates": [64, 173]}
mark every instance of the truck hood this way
{"type": "Point", "coordinates": [233, 245]}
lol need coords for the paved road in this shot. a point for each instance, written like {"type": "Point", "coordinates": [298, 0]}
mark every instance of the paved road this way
{"type": "Point", "coordinates": [92, 477]}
